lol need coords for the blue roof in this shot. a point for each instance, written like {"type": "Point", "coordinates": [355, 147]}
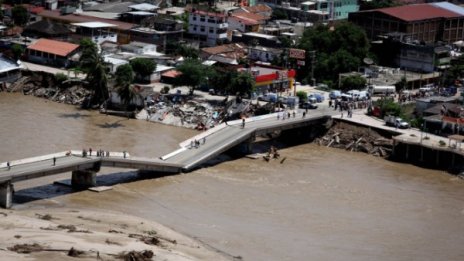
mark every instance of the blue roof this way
{"type": "Point", "coordinates": [450, 7]}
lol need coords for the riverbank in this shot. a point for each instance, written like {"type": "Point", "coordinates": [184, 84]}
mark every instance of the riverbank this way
{"type": "Point", "coordinates": [62, 234]}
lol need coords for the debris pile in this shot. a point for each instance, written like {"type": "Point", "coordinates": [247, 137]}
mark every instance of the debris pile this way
{"type": "Point", "coordinates": [354, 138]}
{"type": "Point", "coordinates": [192, 114]}
{"type": "Point", "coordinates": [43, 85]}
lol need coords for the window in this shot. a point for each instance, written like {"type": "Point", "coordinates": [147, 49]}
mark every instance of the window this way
{"type": "Point", "coordinates": [194, 18]}
{"type": "Point", "coordinates": [211, 30]}
{"type": "Point", "coordinates": [194, 28]}
{"type": "Point", "coordinates": [202, 29]}
{"type": "Point", "coordinates": [202, 18]}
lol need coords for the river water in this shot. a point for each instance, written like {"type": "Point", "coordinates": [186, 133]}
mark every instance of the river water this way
{"type": "Point", "coordinates": [320, 204]}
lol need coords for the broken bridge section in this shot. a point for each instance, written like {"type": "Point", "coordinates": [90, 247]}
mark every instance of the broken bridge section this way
{"type": "Point", "coordinates": [191, 154]}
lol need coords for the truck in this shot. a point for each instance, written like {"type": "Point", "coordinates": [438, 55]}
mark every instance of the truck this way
{"type": "Point", "coordinates": [381, 89]}
{"type": "Point", "coordinates": [397, 122]}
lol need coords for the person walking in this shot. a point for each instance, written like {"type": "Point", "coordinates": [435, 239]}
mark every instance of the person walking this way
{"type": "Point", "coordinates": [90, 151]}
{"type": "Point", "coordinates": [8, 165]}
{"type": "Point", "coordinates": [304, 114]}
{"type": "Point", "coordinates": [243, 123]}
{"type": "Point", "coordinates": [54, 161]}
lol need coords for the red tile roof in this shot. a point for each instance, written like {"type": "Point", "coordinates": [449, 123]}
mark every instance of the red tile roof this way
{"type": "Point", "coordinates": [171, 74]}
{"type": "Point", "coordinates": [417, 12]}
{"type": "Point", "coordinates": [53, 47]}
{"type": "Point", "coordinates": [245, 21]}
{"type": "Point", "coordinates": [249, 16]}
{"type": "Point", "coordinates": [260, 8]}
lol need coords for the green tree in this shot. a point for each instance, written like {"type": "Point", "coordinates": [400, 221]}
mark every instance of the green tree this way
{"type": "Point", "coordinates": [20, 15]}
{"type": "Point", "coordinates": [337, 50]}
{"type": "Point", "coordinates": [353, 82]}
{"type": "Point", "coordinates": [368, 5]}
{"type": "Point", "coordinates": [243, 83]}
{"type": "Point", "coordinates": [401, 85]}
{"type": "Point", "coordinates": [456, 71]}
{"type": "Point", "coordinates": [302, 96]}
{"type": "Point", "coordinates": [388, 107]}
{"type": "Point", "coordinates": [180, 49]}
{"type": "Point", "coordinates": [60, 78]}
{"type": "Point", "coordinates": [125, 89]}
{"type": "Point", "coordinates": [279, 14]}
{"type": "Point", "coordinates": [220, 79]}
{"type": "Point", "coordinates": [17, 51]}
{"type": "Point", "coordinates": [143, 67]}
{"type": "Point", "coordinates": [192, 74]}
{"type": "Point", "coordinates": [92, 62]}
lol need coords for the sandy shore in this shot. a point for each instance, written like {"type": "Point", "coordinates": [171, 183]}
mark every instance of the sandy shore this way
{"type": "Point", "coordinates": [49, 234]}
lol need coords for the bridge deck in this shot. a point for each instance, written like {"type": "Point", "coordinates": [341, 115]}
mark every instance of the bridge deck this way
{"type": "Point", "coordinates": [217, 140]}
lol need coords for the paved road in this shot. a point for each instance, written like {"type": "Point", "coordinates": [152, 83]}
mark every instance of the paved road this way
{"type": "Point", "coordinates": [41, 167]}
{"type": "Point", "coordinates": [233, 134]}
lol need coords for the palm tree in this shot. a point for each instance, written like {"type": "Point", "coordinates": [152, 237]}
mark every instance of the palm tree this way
{"type": "Point", "coordinates": [125, 89]}
{"type": "Point", "coordinates": [94, 65]}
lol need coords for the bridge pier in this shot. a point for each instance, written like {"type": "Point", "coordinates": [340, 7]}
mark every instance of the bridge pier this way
{"type": "Point", "coordinates": [84, 178]}
{"type": "Point", "coordinates": [6, 194]}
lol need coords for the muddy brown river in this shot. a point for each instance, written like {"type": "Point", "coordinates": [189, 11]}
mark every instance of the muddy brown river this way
{"type": "Point", "coordinates": [320, 204]}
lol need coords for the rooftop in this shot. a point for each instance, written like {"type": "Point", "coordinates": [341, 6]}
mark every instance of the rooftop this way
{"type": "Point", "coordinates": [144, 7]}
{"type": "Point", "coordinates": [7, 65]}
{"type": "Point", "coordinates": [418, 12]}
{"type": "Point", "coordinates": [77, 18]}
{"type": "Point", "coordinates": [94, 24]}
{"type": "Point", "coordinates": [53, 47]}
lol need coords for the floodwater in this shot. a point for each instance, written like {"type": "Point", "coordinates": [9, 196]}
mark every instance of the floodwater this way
{"type": "Point", "coordinates": [319, 204]}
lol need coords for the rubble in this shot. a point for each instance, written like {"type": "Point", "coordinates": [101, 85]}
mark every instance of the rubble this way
{"type": "Point", "coordinates": [42, 85]}
{"type": "Point", "coordinates": [354, 138]}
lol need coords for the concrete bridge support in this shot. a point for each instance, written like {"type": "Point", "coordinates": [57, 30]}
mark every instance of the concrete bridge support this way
{"type": "Point", "coordinates": [6, 194]}
{"type": "Point", "coordinates": [84, 178]}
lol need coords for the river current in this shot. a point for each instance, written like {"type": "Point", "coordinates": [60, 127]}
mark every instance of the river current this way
{"type": "Point", "coordinates": [319, 204]}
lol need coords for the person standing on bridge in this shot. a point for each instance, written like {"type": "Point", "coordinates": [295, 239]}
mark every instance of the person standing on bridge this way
{"type": "Point", "coordinates": [54, 161]}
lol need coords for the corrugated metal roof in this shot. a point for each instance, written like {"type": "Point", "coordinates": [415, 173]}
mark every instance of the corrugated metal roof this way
{"type": "Point", "coordinates": [53, 47]}
{"type": "Point", "coordinates": [450, 7]}
{"type": "Point", "coordinates": [418, 12]}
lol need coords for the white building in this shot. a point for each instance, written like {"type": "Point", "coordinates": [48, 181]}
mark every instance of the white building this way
{"type": "Point", "coordinates": [263, 54]}
{"type": "Point", "coordinates": [98, 32]}
{"type": "Point", "coordinates": [211, 28]}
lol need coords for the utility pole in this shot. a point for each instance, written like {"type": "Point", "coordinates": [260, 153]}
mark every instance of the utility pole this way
{"type": "Point", "coordinates": [312, 56]}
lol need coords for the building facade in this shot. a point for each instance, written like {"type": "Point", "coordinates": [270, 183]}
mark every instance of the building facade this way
{"type": "Point", "coordinates": [210, 28]}
{"type": "Point", "coordinates": [427, 23]}
{"type": "Point", "coordinates": [51, 52]}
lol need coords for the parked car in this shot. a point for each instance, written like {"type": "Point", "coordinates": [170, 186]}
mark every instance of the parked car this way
{"type": "Point", "coordinates": [269, 97]}
{"type": "Point", "coordinates": [335, 94]}
{"type": "Point", "coordinates": [319, 97]}
{"type": "Point", "coordinates": [308, 105]}
{"type": "Point", "coordinates": [396, 122]}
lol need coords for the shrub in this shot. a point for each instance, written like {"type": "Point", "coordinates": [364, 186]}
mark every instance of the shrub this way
{"type": "Point", "coordinates": [60, 78]}
{"type": "Point", "coordinates": [165, 90]}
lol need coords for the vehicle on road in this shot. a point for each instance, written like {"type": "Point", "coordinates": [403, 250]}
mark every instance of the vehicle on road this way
{"type": "Point", "coordinates": [319, 97]}
{"type": "Point", "coordinates": [396, 122]}
{"type": "Point", "coordinates": [308, 105]}
{"type": "Point", "coordinates": [381, 90]}
{"type": "Point", "coordinates": [268, 97]}
{"type": "Point", "coordinates": [335, 94]}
